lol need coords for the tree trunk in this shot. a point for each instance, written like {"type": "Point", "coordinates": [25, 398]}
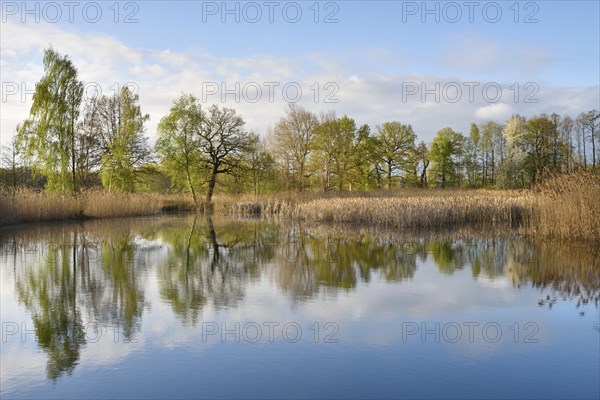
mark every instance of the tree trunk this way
{"type": "Point", "coordinates": [326, 188]}
{"type": "Point", "coordinates": [424, 175]}
{"type": "Point", "coordinates": [212, 235]}
{"type": "Point", "coordinates": [593, 145]}
{"type": "Point", "coordinates": [73, 170]}
{"type": "Point", "coordinates": [485, 169]}
{"type": "Point", "coordinates": [584, 155]}
{"type": "Point", "coordinates": [493, 161]}
{"type": "Point", "coordinates": [211, 184]}
{"type": "Point", "coordinates": [302, 176]}
{"type": "Point", "coordinates": [14, 176]}
{"type": "Point", "coordinates": [189, 179]}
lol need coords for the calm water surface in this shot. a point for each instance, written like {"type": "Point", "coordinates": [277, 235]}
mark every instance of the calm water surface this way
{"type": "Point", "coordinates": [184, 307]}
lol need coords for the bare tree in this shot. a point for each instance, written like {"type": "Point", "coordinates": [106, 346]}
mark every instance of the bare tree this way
{"type": "Point", "coordinates": [587, 122]}
{"type": "Point", "coordinates": [115, 126]}
{"type": "Point", "coordinates": [422, 153]}
{"type": "Point", "coordinates": [223, 143]}
{"type": "Point", "coordinates": [11, 162]}
{"type": "Point", "coordinates": [580, 135]}
{"type": "Point", "coordinates": [294, 140]}
{"type": "Point", "coordinates": [591, 124]}
{"type": "Point", "coordinates": [566, 129]}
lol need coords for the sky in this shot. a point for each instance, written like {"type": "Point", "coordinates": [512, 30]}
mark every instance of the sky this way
{"type": "Point", "coordinates": [431, 64]}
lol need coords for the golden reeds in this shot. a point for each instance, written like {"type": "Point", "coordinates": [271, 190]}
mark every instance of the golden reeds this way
{"type": "Point", "coordinates": [23, 206]}
{"type": "Point", "coordinates": [421, 212]}
{"type": "Point", "coordinates": [566, 207]}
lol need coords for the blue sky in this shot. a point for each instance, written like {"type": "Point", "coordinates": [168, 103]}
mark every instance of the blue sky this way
{"type": "Point", "coordinates": [368, 60]}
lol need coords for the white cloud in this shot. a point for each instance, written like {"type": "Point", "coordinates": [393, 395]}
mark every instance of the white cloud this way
{"type": "Point", "coordinates": [495, 112]}
{"type": "Point", "coordinates": [361, 91]}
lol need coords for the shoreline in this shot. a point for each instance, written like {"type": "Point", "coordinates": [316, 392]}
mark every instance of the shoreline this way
{"type": "Point", "coordinates": [566, 207]}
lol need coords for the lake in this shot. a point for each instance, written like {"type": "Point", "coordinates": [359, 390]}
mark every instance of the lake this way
{"type": "Point", "coordinates": [191, 307]}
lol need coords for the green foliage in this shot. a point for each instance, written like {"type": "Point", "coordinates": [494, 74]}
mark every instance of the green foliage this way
{"type": "Point", "coordinates": [493, 149]}
{"type": "Point", "coordinates": [48, 137]}
{"type": "Point", "coordinates": [203, 148]}
{"type": "Point", "coordinates": [534, 150]}
{"type": "Point", "coordinates": [394, 144]}
{"type": "Point", "coordinates": [340, 149]}
{"type": "Point", "coordinates": [445, 153]}
{"type": "Point", "coordinates": [196, 146]}
{"type": "Point", "coordinates": [472, 156]}
{"type": "Point", "coordinates": [151, 178]}
{"type": "Point", "coordinates": [178, 144]}
{"type": "Point", "coordinates": [124, 147]}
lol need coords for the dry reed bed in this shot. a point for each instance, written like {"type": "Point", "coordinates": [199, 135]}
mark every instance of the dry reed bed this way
{"type": "Point", "coordinates": [566, 207]}
{"type": "Point", "coordinates": [408, 208]}
{"type": "Point", "coordinates": [423, 212]}
{"type": "Point", "coordinates": [268, 206]}
{"type": "Point", "coordinates": [106, 205]}
{"type": "Point", "coordinates": [29, 206]}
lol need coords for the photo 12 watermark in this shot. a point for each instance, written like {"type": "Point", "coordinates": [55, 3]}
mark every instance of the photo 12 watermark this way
{"type": "Point", "coordinates": [211, 332]}
{"type": "Point", "coordinates": [271, 91]}
{"type": "Point", "coordinates": [270, 332]}
{"type": "Point", "coordinates": [469, 91]}
{"type": "Point", "coordinates": [23, 91]}
{"type": "Point", "coordinates": [92, 253]}
{"type": "Point", "coordinates": [252, 12]}
{"type": "Point", "coordinates": [452, 12]}
{"type": "Point", "coordinates": [469, 332]}
{"type": "Point", "coordinates": [54, 12]}
{"type": "Point", "coordinates": [90, 332]}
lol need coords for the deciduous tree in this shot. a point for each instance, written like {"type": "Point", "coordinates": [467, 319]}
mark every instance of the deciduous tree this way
{"type": "Point", "coordinates": [294, 141]}
{"type": "Point", "coordinates": [446, 150]}
{"type": "Point", "coordinates": [178, 144]}
{"type": "Point", "coordinates": [394, 142]}
{"type": "Point", "coordinates": [49, 135]}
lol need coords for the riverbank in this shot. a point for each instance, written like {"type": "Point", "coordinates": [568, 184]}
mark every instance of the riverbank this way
{"type": "Point", "coordinates": [567, 207]}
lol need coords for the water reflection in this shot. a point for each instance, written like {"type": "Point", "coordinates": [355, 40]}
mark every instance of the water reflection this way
{"type": "Point", "coordinates": [68, 274]}
{"type": "Point", "coordinates": [64, 275]}
{"type": "Point", "coordinates": [49, 291]}
{"type": "Point", "coordinates": [209, 265]}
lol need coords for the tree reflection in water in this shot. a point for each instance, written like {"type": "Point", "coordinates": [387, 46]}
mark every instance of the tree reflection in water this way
{"type": "Point", "coordinates": [71, 273]}
{"type": "Point", "coordinates": [96, 270]}
{"type": "Point", "coordinates": [49, 291]}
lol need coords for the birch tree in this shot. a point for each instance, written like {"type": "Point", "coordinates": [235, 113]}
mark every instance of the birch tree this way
{"type": "Point", "coordinates": [49, 135]}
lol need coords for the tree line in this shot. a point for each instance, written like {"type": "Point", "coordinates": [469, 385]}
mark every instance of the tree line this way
{"type": "Point", "coordinates": [68, 143]}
